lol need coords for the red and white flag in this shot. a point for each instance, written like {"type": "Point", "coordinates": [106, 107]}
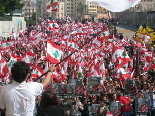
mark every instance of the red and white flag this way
{"type": "Point", "coordinates": [53, 25]}
{"type": "Point", "coordinates": [3, 67]}
{"type": "Point", "coordinates": [55, 8]}
{"type": "Point", "coordinates": [54, 52]}
{"type": "Point", "coordinates": [52, 5]}
{"type": "Point", "coordinates": [37, 72]}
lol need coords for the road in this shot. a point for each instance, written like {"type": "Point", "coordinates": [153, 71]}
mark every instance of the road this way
{"type": "Point", "coordinates": [128, 31]}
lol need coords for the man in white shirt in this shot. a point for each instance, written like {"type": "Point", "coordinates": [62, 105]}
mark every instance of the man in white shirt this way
{"type": "Point", "coordinates": [18, 98]}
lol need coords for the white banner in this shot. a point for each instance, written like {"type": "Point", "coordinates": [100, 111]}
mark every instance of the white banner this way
{"type": "Point", "coordinates": [115, 5]}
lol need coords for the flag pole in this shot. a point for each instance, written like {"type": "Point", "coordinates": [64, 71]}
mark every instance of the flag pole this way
{"type": "Point", "coordinates": [86, 42]}
{"type": "Point", "coordinates": [64, 59]}
{"type": "Point", "coordinates": [115, 21]}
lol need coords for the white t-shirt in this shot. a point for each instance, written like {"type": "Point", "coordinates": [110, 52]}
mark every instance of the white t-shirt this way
{"type": "Point", "coordinates": [19, 98]}
{"type": "Point", "coordinates": [101, 109]}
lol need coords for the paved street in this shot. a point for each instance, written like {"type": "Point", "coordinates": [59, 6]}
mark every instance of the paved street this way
{"type": "Point", "coordinates": [127, 30]}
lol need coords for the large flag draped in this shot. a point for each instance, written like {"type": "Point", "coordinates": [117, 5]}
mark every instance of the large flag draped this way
{"type": "Point", "coordinates": [116, 5]}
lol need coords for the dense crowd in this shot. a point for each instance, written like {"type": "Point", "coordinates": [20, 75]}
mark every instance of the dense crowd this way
{"type": "Point", "coordinates": [126, 75]}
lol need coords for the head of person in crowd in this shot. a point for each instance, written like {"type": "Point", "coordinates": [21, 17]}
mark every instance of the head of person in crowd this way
{"type": "Point", "coordinates": [119, 91]}
{"type": "Point", "coordinates": [145, 87]}
{"type": "Point", "coordinates": [49, 99]}
{"type": "Point", "coordinates": [118, 95]}
{"type": "Point", "coordinates": [20, 71]}
{"type": "Point", "coordinates": [151, 90]}
{"type": "Point", "coordinates": [114, 97]}
{"type": "Point", "coordinates": [102, 103]}
{"type": "Point", "coordinates": [105, 98]}
{"type": "Point", "coordinates": [140, 94]}
{"type": "Point", "coordinates": [84, 101]}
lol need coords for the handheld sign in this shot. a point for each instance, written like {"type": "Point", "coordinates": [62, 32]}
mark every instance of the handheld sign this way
{"type": "Point", "coordinates": [115, 108]}
{"type": "Point", "coordinates": [93, 85]}
{"type": "Point", "coordinates": [141, 105]}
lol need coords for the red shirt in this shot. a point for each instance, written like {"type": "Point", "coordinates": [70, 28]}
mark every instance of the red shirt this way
{"type": "Point", "coordinates": [125, 100]}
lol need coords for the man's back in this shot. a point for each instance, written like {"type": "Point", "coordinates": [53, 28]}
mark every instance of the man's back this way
{"type": "Point", "coordinates": [19, 98]}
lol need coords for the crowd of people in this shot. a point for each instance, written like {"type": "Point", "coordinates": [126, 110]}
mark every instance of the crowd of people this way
{"type": "Point", "coordinates": [125, 66]}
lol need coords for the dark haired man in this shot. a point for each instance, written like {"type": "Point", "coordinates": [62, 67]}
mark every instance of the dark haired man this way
{"type": "Point", "coordinates": [18, 98]}
{"type": "Point", "coordinates": [102, 109]}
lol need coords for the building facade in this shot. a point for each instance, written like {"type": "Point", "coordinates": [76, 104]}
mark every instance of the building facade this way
{"type": "Point", "coordinates": [28, 9]}
{"type": "Point", "coordinates": [145, 6]}
{"type": "Point", "coordinates": [70, 8]}
{"type": "Point", "coordinates": [34, 6]}
{"type": "Point", "coordinates": [57, 14]}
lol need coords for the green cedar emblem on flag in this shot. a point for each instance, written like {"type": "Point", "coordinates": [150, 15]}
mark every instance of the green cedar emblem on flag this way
{"type": "Point", "coordinates": [56, 54]}
{"type": "Point", "coordinates": [11, 63]}
{"type": "Point", "coordinates": [53, 25]}
{"type": "Point", "coordinates": [37, 72]}
{"type": "Point", "coordinates": [116, 55]}
{"type": "Point", "coordinates": [124, 54]}
{"type": "Point", "coordinates": [7, 44]}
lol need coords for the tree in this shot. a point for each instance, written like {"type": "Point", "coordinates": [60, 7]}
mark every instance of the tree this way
{"type": "Point", "coordinates": [81, 9]}
{"type": "Point", "coordinates": [51, 1]}
{"type": "Point", "coordinates": [31, 20]}
{"type": "Point", "coordinates": [9, 6]}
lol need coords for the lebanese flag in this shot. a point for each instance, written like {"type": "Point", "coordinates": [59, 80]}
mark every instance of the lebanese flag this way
{"type": "Point", "coordinates": [7, 44]}
{"type": "Point", "coordinates": [53, 25]}
{"type": "Point", "coordinates": [72, 45]}
{"type": "Point", "coordinates": [4, 68]}
{"type": "Point", "coordinates": [63, 77]}
{"type": "Point", "coordinates": [12, 60]}
{"type": "Point", "coordinates": [37, 72]}
{"type": "Point", "coordinates": [55, 8]}
{"type": "Point", "coordinates": [115, 5]}
{"type": "Point", "coordinates": [109, 114]}
{"type": "Point", "coordinates": [117, 52]}
{"type": "Point", "coordinates": [52, 5]}
{"type": "Point", "coordinates": [145, 37]}
{"type": "Point", "coordinates": [29, 57]}
{"type": "Point", "coordinates": [148, 56]}
{"type": "Point", "coordinates": [137, 44]}
{"type": "Point", "coordinates": [105, 34]}
{"type": "Point", "coordinates": [124, 58]}
{"type": "Point", "coordinates": [54, 52]}
{"type": "Point", "coordinates": [97, 42]}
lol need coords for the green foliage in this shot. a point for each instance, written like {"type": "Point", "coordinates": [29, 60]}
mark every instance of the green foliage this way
{"type": "Point", "coordinates": [32, 20]}
{"type": "Point", "coordinates": [52, 1]}
{"type": "Point", "coordinates": [9, 6]}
